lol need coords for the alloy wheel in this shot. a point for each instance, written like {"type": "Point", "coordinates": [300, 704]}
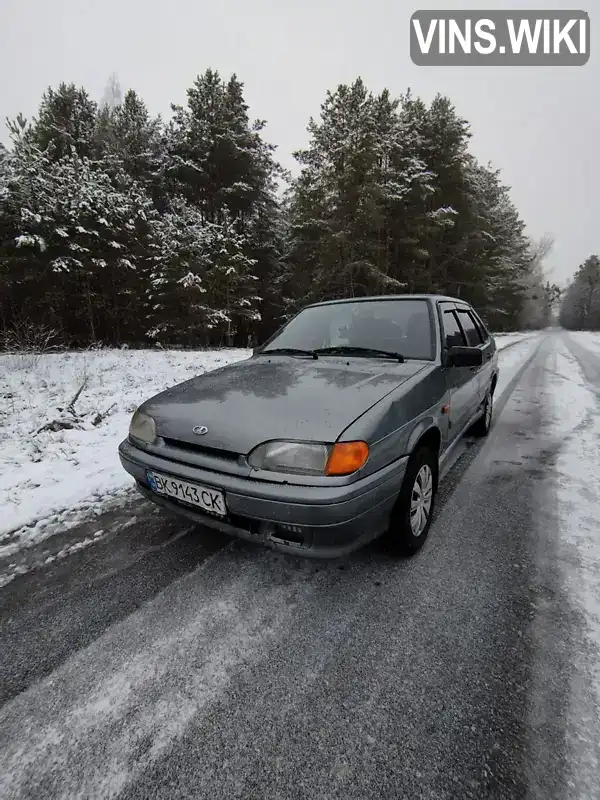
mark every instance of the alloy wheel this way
{"type": "Point", "coordinates": [421, 499]}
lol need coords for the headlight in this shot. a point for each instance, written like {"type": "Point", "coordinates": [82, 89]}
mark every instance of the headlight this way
{"type": "Point", "coordinates": [142, 427]}
{"type": "Point", "coordinates": [295, 457]}
{"type": "Point", "coordinates": [308, 458]}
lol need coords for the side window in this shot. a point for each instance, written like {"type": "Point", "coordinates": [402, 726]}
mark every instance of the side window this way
{"type": "Point", "coordinates": [454, 335]}
{"type": "Point", "coordinates": [485, 335]}
{"type": "Point", "coordinates": [468, 325]}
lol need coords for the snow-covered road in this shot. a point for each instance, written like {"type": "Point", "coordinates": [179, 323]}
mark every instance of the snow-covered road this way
{"type": "Point", "coordinates": [168, 662]}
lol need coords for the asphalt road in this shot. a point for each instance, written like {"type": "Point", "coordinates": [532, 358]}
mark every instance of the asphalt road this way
{"type": "Point", "coordinates": [167, 661]}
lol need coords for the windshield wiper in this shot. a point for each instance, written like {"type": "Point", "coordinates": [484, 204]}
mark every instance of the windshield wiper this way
{"type": "Point", "coordinates": [344, 349]}
{"type": "Point", "coordinates": [290, 351]}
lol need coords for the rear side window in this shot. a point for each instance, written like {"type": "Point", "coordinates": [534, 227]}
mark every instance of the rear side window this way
{"type": "Point", "coordinates": [467, 322]}
{"type": "Point", "coordinates": [485, 334]}
{"type": "Point", "coordinates": [452, 331]}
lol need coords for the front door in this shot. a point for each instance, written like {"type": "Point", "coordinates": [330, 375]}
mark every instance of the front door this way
{"type": "Point", "coordinates": [462, 382]}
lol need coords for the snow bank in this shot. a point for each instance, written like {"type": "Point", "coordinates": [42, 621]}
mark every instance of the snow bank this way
{"type": "Point", "coordinates": [575, 424]}
{"type": "Point", "coordinates": [43, 474]}
{"type": "Point", "coordinates": [505, 339]}
{"type": "Point", "coordinates": [510, 360]}
{"type": "Point", "coordinates": [588, 339]}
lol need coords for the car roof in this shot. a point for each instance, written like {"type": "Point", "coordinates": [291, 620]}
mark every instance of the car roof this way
{"type": "Point", "coordinates": [430, 297]}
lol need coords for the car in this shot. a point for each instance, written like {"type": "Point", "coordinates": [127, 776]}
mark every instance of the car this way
{"type": "Point", "coordinates": [330, 434]}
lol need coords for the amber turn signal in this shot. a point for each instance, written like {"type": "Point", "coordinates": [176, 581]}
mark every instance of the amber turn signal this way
{"type": "Point", "coordinates": [347, 457]}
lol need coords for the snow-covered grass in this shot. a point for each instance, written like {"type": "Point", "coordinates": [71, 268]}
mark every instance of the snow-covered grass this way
{"type": "Point", "coordinates": [44, 474]}
{"type": "Point", "coordinates": [51, 480]}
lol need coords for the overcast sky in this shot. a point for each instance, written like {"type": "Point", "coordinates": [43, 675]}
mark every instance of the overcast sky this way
{"type": "Point", "coordinates": [539, 125]}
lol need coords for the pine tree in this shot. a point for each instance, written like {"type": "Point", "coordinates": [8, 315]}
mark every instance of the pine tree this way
{"type": "Point", "coordinates": [66, 120]}
{"type": "Point", "coordinates": [81, 234]}
{"type": "Point", "coordinates": [341, 204]}
{"type": "Point", "coordinates": [128, 139]}
{"type": "Point", "coordinates": [219, 163]}
{"type": "Point", "coordinates": [8, 215]}
{"type": "Point", "coordinates": [389, 199]}
{"type": "Point", "coordinates": [202, 283]}
{"type": "Point", "coordinates": [218, 158]}
{"type": "Point", "coordinates": [580, 308]}
{"type": "Point", "coordinates": [114, 224]}
{"type": "Point", "coordinates": [494, 249]}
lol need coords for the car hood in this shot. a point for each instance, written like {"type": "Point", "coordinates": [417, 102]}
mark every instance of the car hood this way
{"type": "Point", "coordinates": [252, 401]}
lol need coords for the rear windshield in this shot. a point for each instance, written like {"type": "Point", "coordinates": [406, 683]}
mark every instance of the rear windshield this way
{"type": "Point", "coordinates": [402, 326]}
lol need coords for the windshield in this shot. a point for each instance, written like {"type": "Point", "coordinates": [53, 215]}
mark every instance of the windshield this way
{"type": "Point", "coordinates": [397, 325]}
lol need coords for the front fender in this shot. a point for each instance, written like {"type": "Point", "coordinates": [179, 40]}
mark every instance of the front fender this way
{"type": "Point", "coordinates": [390, 437]}
{"type": "Point", "coordinates": [393, 426]}
{"type": "Point", "coordinates": [423, 425]}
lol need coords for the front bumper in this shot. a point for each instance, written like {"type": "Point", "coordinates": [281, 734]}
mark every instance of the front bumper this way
{"type": "Point", "coordinates": [322, 521]}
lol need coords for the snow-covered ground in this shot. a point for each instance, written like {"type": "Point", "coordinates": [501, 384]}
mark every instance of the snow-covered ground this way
{"type": "Point", "coordinates": [51, 480]}
{"type": "Point", "coordinates": [575, 424]}
{"type": "Point", "coordinates": [504, 339]}
{"type": "Point", "coordinates": [587, 339]}
{"type": "Point", "coordinates": [512, 359]}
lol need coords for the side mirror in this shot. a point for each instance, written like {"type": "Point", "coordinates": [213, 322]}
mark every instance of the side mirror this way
{"type": "Point", "coordinates": [255, 350]}
{"type": "Point", "coordinates": [465, 357]}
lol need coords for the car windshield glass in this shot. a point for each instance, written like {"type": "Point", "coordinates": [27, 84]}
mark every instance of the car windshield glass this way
{"type": "Point", "coordinates": [399, 326]}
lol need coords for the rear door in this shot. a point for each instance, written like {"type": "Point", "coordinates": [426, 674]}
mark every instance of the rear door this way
{"type": "Point", "coordinates": [489, 350]}
{"type": "Point", "coordinates": [462, 383]}
{"type": "Point", "coordinates": [474, 338]}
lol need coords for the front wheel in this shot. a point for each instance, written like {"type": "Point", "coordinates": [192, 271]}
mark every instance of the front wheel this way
{"type": "Point", "coordinates": [411, 517]}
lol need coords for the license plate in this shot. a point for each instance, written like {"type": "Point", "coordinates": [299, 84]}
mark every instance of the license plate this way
{"type": "Point", "coordinates": [211, 500]}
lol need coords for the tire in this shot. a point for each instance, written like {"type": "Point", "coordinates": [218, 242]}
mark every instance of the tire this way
{"type": "Point", "coordinates": [404, 538]}
{"type": "Point", "coordinates": [482, 427]}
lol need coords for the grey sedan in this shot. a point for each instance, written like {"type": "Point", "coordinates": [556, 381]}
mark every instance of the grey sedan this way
{"type": "Point", "coordinates": [332, 433]}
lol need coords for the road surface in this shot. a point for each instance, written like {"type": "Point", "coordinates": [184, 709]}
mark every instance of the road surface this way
{"type": "Point", "coordinates": [167, 661]}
